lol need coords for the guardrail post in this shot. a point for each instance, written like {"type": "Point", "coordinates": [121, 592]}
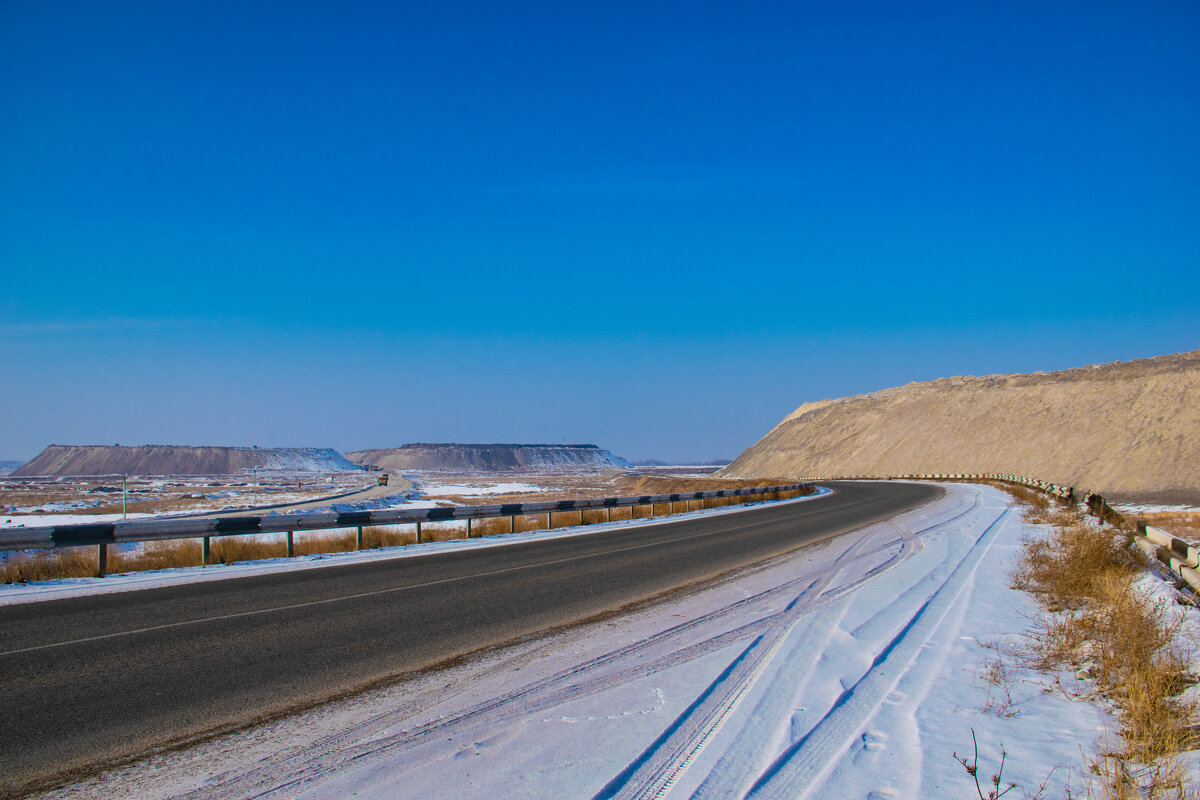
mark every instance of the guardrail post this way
{"type": "Point", "coordinates": [358, 539]}
{"type": "Point", "coordinates": [549, 521]}
{"type": "Point", "coordinates": [512, 524]}
{"type": "Point", "coordinates": [204, 551]}
{"type": "Point", "coordinates": [468, 527]}
{"type": "Point", "coordinates": [418, 533]}
{"type": "Point", "coordinates": [609, 510]}
{"type": "Point", "coordinates": [291, 545]}
{"type": "Point", "coordinates": [101, 560]}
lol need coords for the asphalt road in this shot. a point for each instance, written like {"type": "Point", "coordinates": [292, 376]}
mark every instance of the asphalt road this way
{"type": "Point", "coordinates": [96, 679]}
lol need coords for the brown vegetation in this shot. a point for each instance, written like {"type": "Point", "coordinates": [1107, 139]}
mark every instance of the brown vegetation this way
{"type": "Point", "coordinates": [1082, 576]}
{"type": "Point", "coordinates": [44, 565]}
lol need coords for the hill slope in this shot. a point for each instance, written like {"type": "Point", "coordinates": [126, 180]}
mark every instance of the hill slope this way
{"type": "Point", "coordinates": [1127, 429]}
{"type": "Point", "coordinates": [161, 459]}
{"type": "Point", "coordinates": [490, 457]}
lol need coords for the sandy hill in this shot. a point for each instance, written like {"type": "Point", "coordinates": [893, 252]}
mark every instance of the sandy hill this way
{"type": "Point", "coordinates": [491, 457]}
{"type": "Point", "coordinates": [1130, 430]}
{"type": "Point", "coordinates": [161, 459]}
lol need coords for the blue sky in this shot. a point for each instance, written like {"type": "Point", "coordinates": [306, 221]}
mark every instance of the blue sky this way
{"type": "Point", "coordinates": [655, 229]}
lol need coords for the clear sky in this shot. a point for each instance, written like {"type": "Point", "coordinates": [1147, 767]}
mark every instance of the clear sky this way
{"type": "Point", "coordinates": [657, 227]}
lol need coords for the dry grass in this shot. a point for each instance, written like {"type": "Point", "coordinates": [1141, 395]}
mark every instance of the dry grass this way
{"type": "Point", "coordinates": [1063, 570]}
{"type": "Point", "coordinates": [491, 527]}
{"type": "Point", "coordinates": [1082, 576]}
{"type": "Point", "coordinates": [157, 555]}
{"type": "Point", "coordinates": [44, 565]}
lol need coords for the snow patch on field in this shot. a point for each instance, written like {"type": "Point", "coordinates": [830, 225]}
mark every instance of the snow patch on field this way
{"type": "Point", "coordinates": [49, 520]}
{"type": "Point", "coordinates": [480, 489]}
{"type": "Point", "coordinates": [1149, 508]}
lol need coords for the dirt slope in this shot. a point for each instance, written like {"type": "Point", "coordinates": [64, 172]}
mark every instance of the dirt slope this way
{"type": "Point", "coordinates": [160, 459]}
{"type": "Point", "coordinates": [1126, 429]}
{"type": "Point", "coordinates": [490, 457]}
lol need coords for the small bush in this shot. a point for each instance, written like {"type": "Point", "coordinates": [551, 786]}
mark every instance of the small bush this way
{"type": "Point", "coordinates": [42, 565]}
{"type": "Point", "coordinates": [1062, 570]}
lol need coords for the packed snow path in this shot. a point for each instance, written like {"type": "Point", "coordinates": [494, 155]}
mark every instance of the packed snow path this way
{"type": "Point", "coordinates": [839, 670]}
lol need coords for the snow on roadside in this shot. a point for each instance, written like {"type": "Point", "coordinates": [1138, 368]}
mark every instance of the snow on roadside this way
{"type": "Point", "coordinates": [855, 667]}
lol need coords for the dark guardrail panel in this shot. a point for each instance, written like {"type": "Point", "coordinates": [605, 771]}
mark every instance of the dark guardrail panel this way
{"type": "Point", "coordinates": [234, 525]}
{"type": "Point", "coordinates": [353, 518]}
{"type": "Point", "coordinates": [74, 535]}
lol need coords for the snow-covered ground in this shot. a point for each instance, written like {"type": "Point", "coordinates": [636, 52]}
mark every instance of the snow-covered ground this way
{"type": "Point", "coordinates": [1150, 508]}
{"type": "Point", "coordinates": [855, 668]}
{"type": "Point", "coordinates": [58, 513]}
{"type": "Point", "coordinates": [46, 520]}
{"type": "Point", "coordinates": [480, 489]}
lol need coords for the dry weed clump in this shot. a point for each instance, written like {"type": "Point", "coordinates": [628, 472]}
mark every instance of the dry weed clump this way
{"type": "Point", "coordinates": [1062, 570]}
{"type": "Point", "coordinates": [375, 537]}
{"type": "Point", "coordinates": [1083, 577]}
{"type": "Point", "coordinates": [493, 526]}
{"type": "Point", "coordinates": [44, 565]}
{"type": "Point", "coordinates": [999, 675]}
{"type": "Point", "coordinates": [230, 549]}
{"type": "Point", "coordinates": [156, 555]}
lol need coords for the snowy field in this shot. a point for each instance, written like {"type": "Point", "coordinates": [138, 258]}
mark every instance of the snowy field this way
{"type": "Point", "coordinates": [480, 489]}
{"type": "Point", "coordinates": [1149, 508]}
{"type": "Point", "coordinates": [855, 668]}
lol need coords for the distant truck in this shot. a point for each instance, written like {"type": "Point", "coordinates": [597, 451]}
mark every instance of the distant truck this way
{"type": "Point", "coordinates": [383, 479]}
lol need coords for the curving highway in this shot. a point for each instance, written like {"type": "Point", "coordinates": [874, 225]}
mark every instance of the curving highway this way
{"type": "Point", "coordinates": [93, 680]}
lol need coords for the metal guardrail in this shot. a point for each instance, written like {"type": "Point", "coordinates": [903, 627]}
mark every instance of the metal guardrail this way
{"type": "Point", "coordinates": [152, 530]}
{"type": "Point", "coordinates": [1175, 554]}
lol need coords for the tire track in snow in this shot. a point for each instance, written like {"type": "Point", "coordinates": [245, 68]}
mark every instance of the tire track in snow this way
{"type": "Point", "coordinates": [809, 759]}
{"type": "Point", "coordinates": [659, 767]}
{"type": "Point", "coordinates": [655, 771]}
{"type": "Point", "coordinates": [293, 765]}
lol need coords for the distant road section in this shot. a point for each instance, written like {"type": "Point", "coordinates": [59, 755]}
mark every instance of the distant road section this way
{"type": "Point", "coordinates": [96, 679]}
